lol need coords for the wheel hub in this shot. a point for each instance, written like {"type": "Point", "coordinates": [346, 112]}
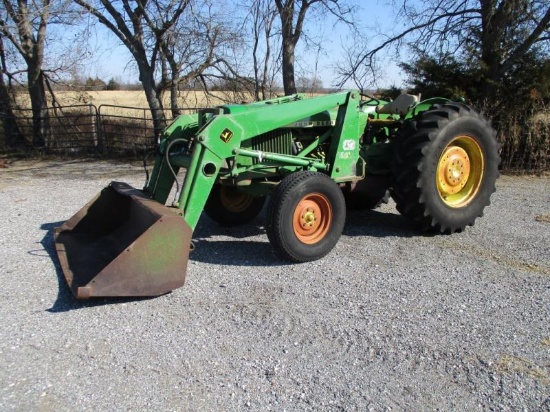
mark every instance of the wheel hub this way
{"type": "Point", "coordinates": [308, 219]}
{"type": "Point", "coordinates": [234, 201]}
{"type": "Point", "coordinates": [312, 218]}
{"type": "Point", "coordinates": [454, 170]}
{"type": "Point", "coordinates": [460, 171]}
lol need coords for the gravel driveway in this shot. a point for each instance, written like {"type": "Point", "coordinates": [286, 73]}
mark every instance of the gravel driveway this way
{"type": "Point", "coordinates": [390, 320]}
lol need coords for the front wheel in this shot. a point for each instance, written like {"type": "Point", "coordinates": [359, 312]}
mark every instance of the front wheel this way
{"type": "Point", "coordinates": [445, 168]}
{"type": "Point", "coordinates": [305, 216]}
{"type": "Point", "coordinates": [228, 206]}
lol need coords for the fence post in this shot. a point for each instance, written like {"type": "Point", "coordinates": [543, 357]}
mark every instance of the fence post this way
{"type": "Point", "coordinates": [93, 121]}
{"type": "Point", "coordinates": [99, 129]}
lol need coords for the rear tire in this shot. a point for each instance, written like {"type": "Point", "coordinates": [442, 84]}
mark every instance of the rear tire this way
{"type": "Point", "coordinates": [446, 166]}
{"type": "Point", "coordinates": [228, 206]}
{"type": "Point", "coordinates": [305, 216]}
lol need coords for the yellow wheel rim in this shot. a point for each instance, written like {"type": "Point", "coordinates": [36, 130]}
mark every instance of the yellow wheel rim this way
{"type": "Point", "coordinates": [460, 171]}
{"type": "Point", "coordinates": [312, 218]}
{"type": "Point", "coordinates": [233, 200]}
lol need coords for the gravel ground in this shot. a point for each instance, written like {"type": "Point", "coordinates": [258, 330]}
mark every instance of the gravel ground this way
{"type": "Point", "coordinates": [390, 320]}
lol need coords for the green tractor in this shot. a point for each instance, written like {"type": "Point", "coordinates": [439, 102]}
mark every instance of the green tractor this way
{"type": "Point", "coordinates": [309, 158]}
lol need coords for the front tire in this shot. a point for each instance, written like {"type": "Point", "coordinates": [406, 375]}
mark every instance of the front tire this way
{"type": "Point", "coordinates": [305, 216]}
{"type": "Point", "coordinates": [446, 166]}
{"type": "Point", "coordinates": [228, 206]}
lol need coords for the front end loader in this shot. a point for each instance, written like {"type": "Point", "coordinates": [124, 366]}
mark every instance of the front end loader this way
{"type": "Point", "coordinates": [311, 157]}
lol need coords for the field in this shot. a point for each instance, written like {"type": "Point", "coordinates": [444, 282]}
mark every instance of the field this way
{"type": "Point", "coordinates": [133, 98]}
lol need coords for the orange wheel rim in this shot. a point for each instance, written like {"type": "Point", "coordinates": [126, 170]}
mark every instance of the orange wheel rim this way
{"type": "Point", "coordinates": [233, 200]}
{"type": "Point", "coordinates": [460, 171]}
{"type": "Point", "coordinates": [312, 218]}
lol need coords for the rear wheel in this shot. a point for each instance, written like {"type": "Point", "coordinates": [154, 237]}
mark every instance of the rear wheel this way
{"type": "Point", "coordinates": [445, 168]}
{"type": "Point", "coordinates": [305, 216]}
{"type": "Point", "coordinates": [228, 206]}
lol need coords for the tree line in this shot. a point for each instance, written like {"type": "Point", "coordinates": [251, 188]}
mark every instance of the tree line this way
{"type": "Point", "coordinates": [495, 53]}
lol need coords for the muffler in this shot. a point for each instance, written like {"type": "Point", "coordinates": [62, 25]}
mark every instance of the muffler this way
{"type": "Point", "coordinates": [122, 243]}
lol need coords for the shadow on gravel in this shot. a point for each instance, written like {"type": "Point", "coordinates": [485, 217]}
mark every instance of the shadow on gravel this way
{"type": "Point", "coordinates": [207, 228]}
{"type": "Point", "coordinates": [238, 252]}
{"type": "Point", "coordinates": [235, 253]}
{"type": "Point", "coordinates": [241, 252]}
{"type": "Point", "coordinates": [65, 300]}
{"type": "Point", "coordinates": [379, 224]}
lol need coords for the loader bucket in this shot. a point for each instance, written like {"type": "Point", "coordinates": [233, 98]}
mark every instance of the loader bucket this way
{"type": "Point", "coordinates": [123, 244]}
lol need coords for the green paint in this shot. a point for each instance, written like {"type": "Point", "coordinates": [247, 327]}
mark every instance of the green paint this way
{"type": "Point", "coordinates": [253, 146]}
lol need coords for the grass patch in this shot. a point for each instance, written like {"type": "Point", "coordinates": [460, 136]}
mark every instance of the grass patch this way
{"type": "Point", "coordinates": [543, 218]}
{"type": "Point", "coordinates": [515, 364]}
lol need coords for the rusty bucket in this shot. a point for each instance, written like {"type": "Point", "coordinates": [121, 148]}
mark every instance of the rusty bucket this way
{"type": "Point", "coordinates": [123, 244]}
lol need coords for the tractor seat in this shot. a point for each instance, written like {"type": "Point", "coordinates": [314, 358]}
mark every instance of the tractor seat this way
{"type": "Point", "coordinates": [400, 106]}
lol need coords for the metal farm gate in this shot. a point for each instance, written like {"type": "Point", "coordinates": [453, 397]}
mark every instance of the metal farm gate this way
{"type": "Point", "coordinates": [85, 129]}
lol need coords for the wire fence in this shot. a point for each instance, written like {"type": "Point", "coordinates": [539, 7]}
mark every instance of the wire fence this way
{"type": "Point", "coordinates": [120, 130]}
{"type": "Point", "coordinates": [85, 129]}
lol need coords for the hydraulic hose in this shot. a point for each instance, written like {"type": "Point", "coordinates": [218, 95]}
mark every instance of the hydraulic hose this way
{"type": "Point", "coordinates": [167, 158]}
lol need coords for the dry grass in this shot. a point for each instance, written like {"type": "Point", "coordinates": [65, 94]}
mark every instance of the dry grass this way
{"type": "Point", "coordinates": [516, 364]}
{"type": "Point", "coordinates": [132, 103]}
{"type": "Point", "coordinates": [543, 218]}
{"type": "Point", "coordinates": [525, 141]}
{"type": "Point", "coordinates": [133, 98]}
{"type": "Point", "coordinates": [137, 99]}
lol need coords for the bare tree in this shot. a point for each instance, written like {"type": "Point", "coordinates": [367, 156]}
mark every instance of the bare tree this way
{"type": "Point", "coordinates": [171, 42]}
{"type": "Point", "coordinates": [498, 33]}
{"type": "Point", "coordinates": [262, 15]}
{"type": "Point", "coordinates": [192, 47]}
{"type": "Point", "coordinates": [293, 14]}
{"type": "Point", "coordinates": [25, 27]}
{"type": "Point", "coordinates": [12, 134]}
{"type": "Point", "coordinates": [309, 84]}
{"type": "Point", "coordinates": [128, 21]}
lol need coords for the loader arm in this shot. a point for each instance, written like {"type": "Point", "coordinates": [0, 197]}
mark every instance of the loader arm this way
{"type": "Point", "coordinates": [223, 134]}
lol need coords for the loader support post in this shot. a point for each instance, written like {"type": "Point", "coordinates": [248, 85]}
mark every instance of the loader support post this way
{"type": "Point", "coordinates": [199, 180]}
{"type": "Point", "coordinates": [344, 154]}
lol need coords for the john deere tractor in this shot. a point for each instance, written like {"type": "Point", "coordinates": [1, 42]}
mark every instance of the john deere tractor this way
{"type": "Point", "coordinates": [308, 158]}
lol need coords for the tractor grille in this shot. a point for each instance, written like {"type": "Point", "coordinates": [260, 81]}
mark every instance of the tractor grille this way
{"type": "Point", "coordinates": [277, 141]}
